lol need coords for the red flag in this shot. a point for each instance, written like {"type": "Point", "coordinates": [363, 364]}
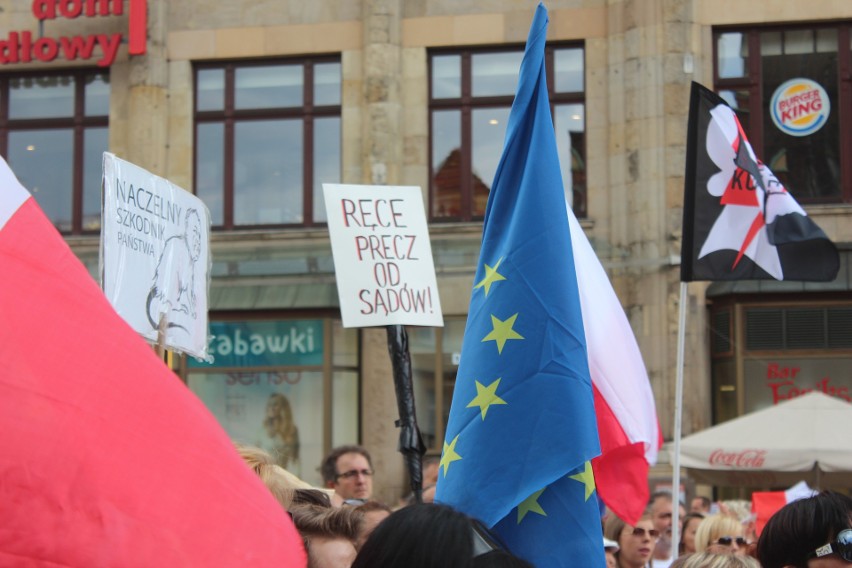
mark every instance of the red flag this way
{"type": "Point", "coordinates": [764, 504]}
{"type": "Point", "coordinates": [739, 221]}
{"type": "Point", "coordinates": [106, 458]}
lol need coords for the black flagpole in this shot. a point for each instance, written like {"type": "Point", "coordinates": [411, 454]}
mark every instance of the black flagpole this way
{"type": "Point", "coordinates": [410, 441]}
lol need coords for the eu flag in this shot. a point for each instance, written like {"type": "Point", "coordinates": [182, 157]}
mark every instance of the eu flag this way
{"type": "Point", "coordinates": [522, 427]}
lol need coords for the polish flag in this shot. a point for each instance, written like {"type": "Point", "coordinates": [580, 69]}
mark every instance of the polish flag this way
{"type": "Point", "coordinates": [764, 504]}
{"type": "Point", "coordinates": [106, 458]}
{"type": "Point", "coordinates": [626, 413]}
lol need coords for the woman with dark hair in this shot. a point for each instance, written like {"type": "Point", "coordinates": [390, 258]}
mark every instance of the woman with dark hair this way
{"type": "Point", "coordinates": [425, 535]}
{"type": "Point", "coordinates": [687, 533]}
{"type": "Point", "coordinates": [810, 533]}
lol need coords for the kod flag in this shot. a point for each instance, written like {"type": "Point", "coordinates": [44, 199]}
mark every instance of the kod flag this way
{"type": "Point", "coordinates": [106, 458]}
{"type": "Point", "coordinates": [739, 221]}
{"type": "Point", "coordinates": [521, 433]}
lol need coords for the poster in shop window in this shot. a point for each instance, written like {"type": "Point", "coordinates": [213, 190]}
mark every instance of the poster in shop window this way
{"type": "Point", "coordinates": [382, 256]}
{"type": "Point", "coordinates": [155, 261]}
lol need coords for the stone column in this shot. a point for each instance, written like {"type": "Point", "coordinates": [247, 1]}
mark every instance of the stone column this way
{"type": "Point", "coordinates": [147, 105]}
{"type": "Point", "coordinates": [381, 158]}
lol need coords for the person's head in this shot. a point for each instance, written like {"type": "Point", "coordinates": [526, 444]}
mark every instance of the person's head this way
{"type": "Point", "coordinates": [700, 504]}
{"type": "Point", "coordinates": [349, 471]}
{"type": "Point", "coordinates": [721, 534]}
{"type": "Point", "coordinates": [635, 542]}
{"type": "Point", "coordinates": [713, 560]}
{"type": "Point", "coordinates": [370, 514]}
{"type": "Point", "coordinates": [687, 532]}
{"type": "Point", "coordinates": [610, 548]}
{"type": "Point", "coordinates": [329, 534]}
{"type": "Point", "coordinates": [793, 535]}
{"type": "Point", "coordinates": [280, 482]}
{"type": "Point", "coordinates": [420, 536]}
{"type": "Point", "coordinates": [431, 467]}
{"type": "Point", "coordinates": [660, 507]}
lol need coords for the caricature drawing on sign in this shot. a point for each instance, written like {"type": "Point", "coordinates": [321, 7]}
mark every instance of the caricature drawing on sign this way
{"type": "Point", "coordinates": [173, 292]}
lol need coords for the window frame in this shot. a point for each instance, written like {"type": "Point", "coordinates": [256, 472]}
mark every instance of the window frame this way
{"type": "Point", "coordinates": [78, 123]}
{"type": "Point", "coordinates": [466, 103]}
{"type": "Point", "coordinates": [752, 82]}
{"type": "Point", "coordinates": [229, 116]}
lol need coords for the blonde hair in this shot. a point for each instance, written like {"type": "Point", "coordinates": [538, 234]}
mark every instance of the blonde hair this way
{"type": "Point", "coordinates": [711, 560]}
{"type": "Point", "coordinates": [280, 482]}
{"type": "Point", "coordinates": [713, 527]}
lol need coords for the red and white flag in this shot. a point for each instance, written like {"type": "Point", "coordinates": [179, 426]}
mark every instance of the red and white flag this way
{"type": "Point", "coordinates": [106, 458]}
{"type": "Point", "coordinates": [624, 403]}
{"type": "Point", "coordinates": [764, 504]}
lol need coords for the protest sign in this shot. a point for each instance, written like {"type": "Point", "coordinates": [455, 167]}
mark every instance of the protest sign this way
{"type": "Point", "coordinates": [155, 261]}
{"type": "Point", "coordinates": [382, 255]}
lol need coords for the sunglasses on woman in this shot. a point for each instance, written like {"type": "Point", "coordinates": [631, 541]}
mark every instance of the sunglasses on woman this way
{"type": "Point", "coordinates": [728, 540]}
{"type": "Point", "coordinates": [640, 532]}
{"type": "Point", "coordinates": [841, 546]}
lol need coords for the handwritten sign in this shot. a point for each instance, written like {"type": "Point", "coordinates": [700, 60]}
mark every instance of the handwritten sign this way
{"type": "Point", "coordinates": [155, 255]}
{"type": "Point", "coordinates": [382, 255]}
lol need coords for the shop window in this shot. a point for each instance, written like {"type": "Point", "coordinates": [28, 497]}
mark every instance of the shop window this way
{"type": "Point", "coordinates": [287, 386]}
{"type": "Point", "coordinates": [435, 354]}
{"type": "Point", "coordinates": [790, 91]}
{"type": "Point", "coordinates": [53, 133]}
{"type": "Point", "coordinates": [267, 136]}
{"type": "Point", "coordinates": [470, 95]}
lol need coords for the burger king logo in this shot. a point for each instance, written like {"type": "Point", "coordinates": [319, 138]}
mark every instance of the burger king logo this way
{"type": "Point", "coordinates": [800, 107]}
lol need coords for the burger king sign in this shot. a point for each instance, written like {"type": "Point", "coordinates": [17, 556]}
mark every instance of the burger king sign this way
{"type": "Point", "coordinates": [800, 107]}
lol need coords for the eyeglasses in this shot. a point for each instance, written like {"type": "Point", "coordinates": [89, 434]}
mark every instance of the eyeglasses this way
{"type": "Point", "coordinates": [728, 540]}
{"type": "Point", "coordinates": [355, 473]}
{"type": "Point", "coordinates": [842, 546]}
{"type": "Point", "coordinates": [640, 532]}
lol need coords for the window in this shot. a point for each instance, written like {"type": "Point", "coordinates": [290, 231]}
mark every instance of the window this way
{"type": "Point", "coordinates": [435, 354]}
{"type": "Point", "coordinates": [790, 91]}
{"type": "Point", "coordinates": [470, 95]}
{"type": "Point", "coordinates": [287, 386]}
{"type": "Point", "coordinates": [53, 133]}
{"type": "Point", "coordinates": [267, 136]}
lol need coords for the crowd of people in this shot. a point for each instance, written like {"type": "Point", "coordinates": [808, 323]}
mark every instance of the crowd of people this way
{"type": "Point", "coordinates": [343, 526]}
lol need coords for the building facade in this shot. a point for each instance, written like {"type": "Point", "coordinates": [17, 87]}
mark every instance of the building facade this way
{"type": "Point", "coordinates": [253, 104]}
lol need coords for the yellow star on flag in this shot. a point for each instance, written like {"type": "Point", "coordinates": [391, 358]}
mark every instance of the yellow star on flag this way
{"type": "Point", "coordinates": [587, 478]}
{"type": "Point", "coordinates": [530, 505]}
{"type": "Point", "coordinates": [502, 332]}
{"type": "Point", "coordinates": [486, 396]}
{"type": "Point", "coordinates": [449, 455]}
{"type": "Point", "coordinates": [491, 276]}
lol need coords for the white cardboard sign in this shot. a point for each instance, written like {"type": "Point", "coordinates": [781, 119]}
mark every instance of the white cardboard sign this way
{"type": "Point", "coordinates": [382, 255]}
{"type": "Point", "coordinates": [155, 260]}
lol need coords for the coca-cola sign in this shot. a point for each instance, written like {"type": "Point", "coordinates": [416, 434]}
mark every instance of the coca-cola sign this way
{"type": "Point", "coordinates": [750, 458]}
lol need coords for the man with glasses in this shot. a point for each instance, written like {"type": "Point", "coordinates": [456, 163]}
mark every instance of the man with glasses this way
{"type": "Point", "coordinates": [809, 533]}
{"type": "Point", "coordinates": [349, 471]}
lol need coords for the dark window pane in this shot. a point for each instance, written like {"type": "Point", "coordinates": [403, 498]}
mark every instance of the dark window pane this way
{"type": "Point", "coordinates": [41, 97]}
{"type": "Point", "coordinates": [209, 169]}
{"type": "Point", "coordinates": [29, 153]}
{"type": "Point", "coordinates": [568, 70]}
{"type": "Point", "coordinates": [495, 73]}
{"type": "Point", "coordinates": [446, 77]}
{"type": "Point", "coordinates": [799, 140]}
{"type": "Point", "coordinates": [270, 86]}
{"type": "Point", "coordinates": [446, 163]}
{"type": "Point", "coordinates": [97, 95]}
{"type": "Point", "coordinates": [95, 143]}
{"type": "Point", "coordinates": [326, 84]}
{"type": "Point", "coordinates": [326, 160]}
{"type": "Point", "coordinates": [732, 51]}
{"type": "Point", "coordinates": [489, 131]}
{"type": "Point", "coordinates": [268, 172]}
{"type": "Point", "coordinates": [570, 143]}
{"type": "Point", "coordinates": [210, 90]}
